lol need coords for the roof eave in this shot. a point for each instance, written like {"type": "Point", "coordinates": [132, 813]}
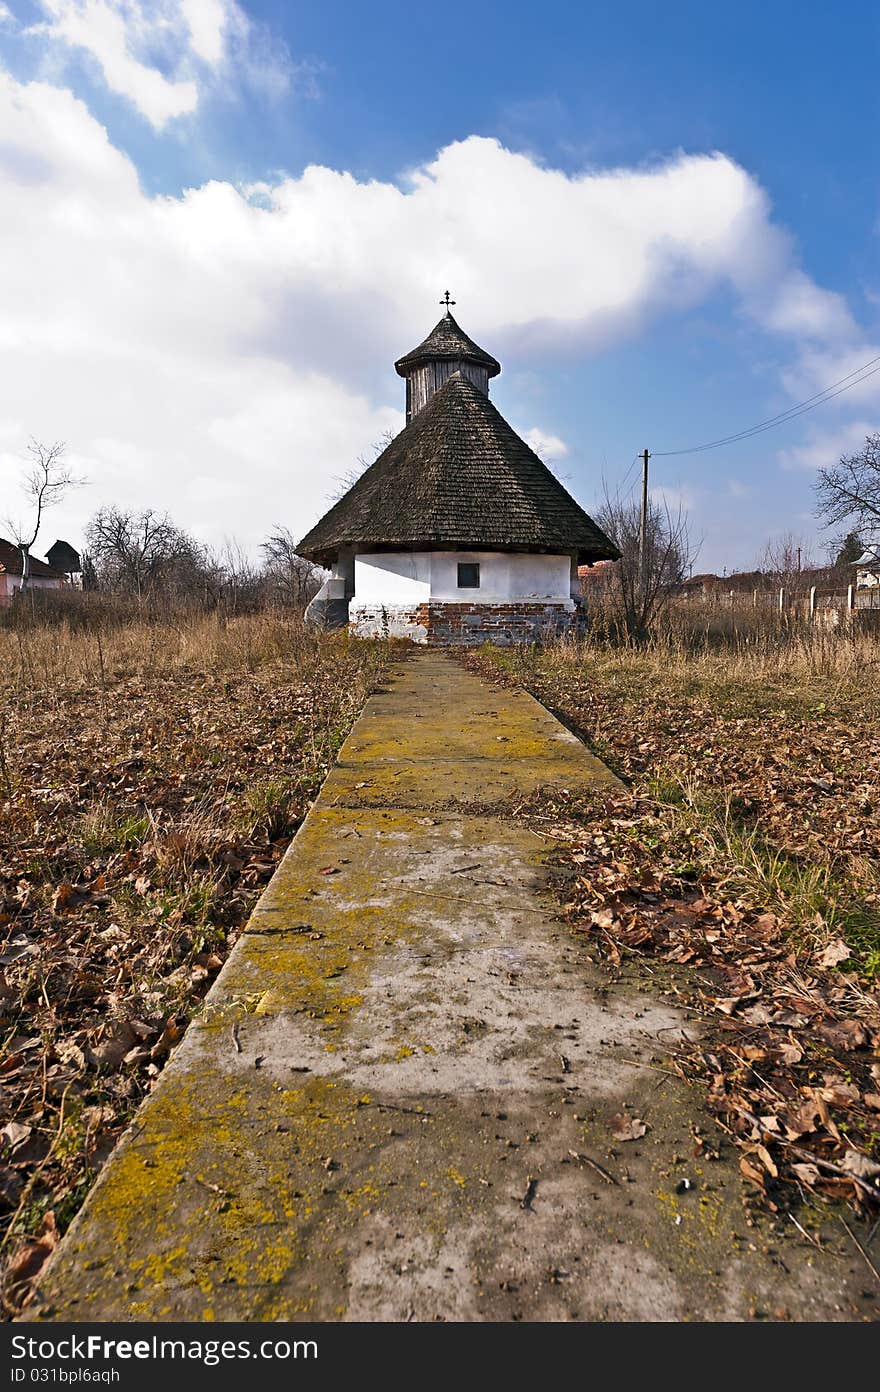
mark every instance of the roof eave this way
{"type": "Point", "coordinates": [403, 365]}
{"type": "Point", "coordinates": [327, 553]}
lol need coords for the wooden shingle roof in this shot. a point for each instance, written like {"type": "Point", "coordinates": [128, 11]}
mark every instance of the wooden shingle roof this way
{"type": "Point", "coordinates": [457, 477]}
{"type": "Point", "coordinates": [448, 342]}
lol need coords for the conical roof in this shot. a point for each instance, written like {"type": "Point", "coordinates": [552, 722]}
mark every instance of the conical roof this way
{"type": "Point", "coordinates": [448, 341]}
{"type": "Point", "coordinates": [458, 477]}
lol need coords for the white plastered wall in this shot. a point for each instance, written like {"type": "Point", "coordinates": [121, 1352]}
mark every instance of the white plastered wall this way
{"type": "Point", "coordinates": [392, 577]}
{"type": "Point", "coordinates": [506, 577]}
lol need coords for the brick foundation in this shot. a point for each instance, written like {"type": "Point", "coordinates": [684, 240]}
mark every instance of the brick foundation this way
{"type": "Point", "coordinates": [462, 625]}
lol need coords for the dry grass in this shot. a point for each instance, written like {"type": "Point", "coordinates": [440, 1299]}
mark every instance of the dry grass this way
{"type": "Point", "coordinates": [767, 744]}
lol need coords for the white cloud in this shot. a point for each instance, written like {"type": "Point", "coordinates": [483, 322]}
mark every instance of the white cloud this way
{"type": "Point", "coordinates": [160, 54]}
{"type": "Point", "coordinates": [799, 307]}
{"type": "Point", "coordinates": [674, 499]}
{"type": "Point", "coordinates": [227, 353]}
{"type": "Point", "coordinates": [207, 22]}
{"type": "Point", "coordinates": [819, 367]}
{"type": "Point", "coordinates": [545, 445]}
{"type": "Point", "coordinates": [736, 488]}
{"type": "Point", "coordinates": [823, 448]}
{"type": "Point", "coordinates": [111, 33]}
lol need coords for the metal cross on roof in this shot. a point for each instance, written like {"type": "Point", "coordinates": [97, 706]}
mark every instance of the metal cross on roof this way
{"type": "Point", "coordinates": [447, 301]}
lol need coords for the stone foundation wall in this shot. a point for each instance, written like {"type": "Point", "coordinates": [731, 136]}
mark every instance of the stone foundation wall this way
{"type": "Point", "coordinates": [386, 621]}
{"type": "Point", "coordinates": [463, 625]}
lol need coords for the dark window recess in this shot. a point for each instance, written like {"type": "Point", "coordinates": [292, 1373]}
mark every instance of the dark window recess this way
{"type": "Point", "coordinates": [468, 575]}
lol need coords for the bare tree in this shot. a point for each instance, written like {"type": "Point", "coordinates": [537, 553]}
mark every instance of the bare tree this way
{"type": "Point", "coordinates": [784, 560]}
{"type": "Point", "coordinates": [849, 491]}
{"type": "Point", "coordinates": [237, 580]}
{"type": "Point", "coordinates": [347, 480]}
{"type": "Point", "coordinates": [47, 479]}
{"type": "Point", "coordinates": [139, 552]}
{"type": "Point", "coordinates": [291, 580]}
{"type": "Point", "coordinates": [641, 591]}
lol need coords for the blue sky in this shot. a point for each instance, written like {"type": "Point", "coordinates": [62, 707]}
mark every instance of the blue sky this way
{"type": "Point", "coordinates": [223, 222]}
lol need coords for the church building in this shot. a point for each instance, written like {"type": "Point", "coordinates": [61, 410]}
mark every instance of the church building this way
{"type": "Point", "coordinates": [458, 532]}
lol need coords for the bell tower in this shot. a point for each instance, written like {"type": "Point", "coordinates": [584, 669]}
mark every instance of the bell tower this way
{"type": "Point", "coordinates": [446, 350]}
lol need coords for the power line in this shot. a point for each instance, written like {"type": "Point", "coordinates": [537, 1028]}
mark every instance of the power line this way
{"type": "Point", "coordinates": [635, 461]}
{"type": "Point", "coordinates": [843, 384]}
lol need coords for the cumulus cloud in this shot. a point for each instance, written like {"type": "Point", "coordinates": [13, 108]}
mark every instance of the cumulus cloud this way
{"type": "Point", "coordinates": [160, 54]}
{"type": "Point", "coordinates": [545, 445]}
{"type": "Point", "coordinates": [226, 353]}
{"type": "Point", "coordinates": [823, 448]}
{"type": "Point", "coordinates": [816, 368]}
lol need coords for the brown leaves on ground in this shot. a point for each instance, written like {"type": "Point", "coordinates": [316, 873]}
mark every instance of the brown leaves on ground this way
{"type": "Point", "coordinates": [143, 808]}
{"type": "Point", "coordinates": [745, 856]}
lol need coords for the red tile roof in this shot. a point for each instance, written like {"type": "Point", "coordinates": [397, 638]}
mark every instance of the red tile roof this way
{"type": "Point", "coordinates": [10, 563]}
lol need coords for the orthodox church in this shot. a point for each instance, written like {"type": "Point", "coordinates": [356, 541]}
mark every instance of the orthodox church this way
{"type": "Point", "coordinates": [457, 533]}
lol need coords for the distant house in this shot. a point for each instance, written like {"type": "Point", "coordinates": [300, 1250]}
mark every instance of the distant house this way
{"type": "Point", "coordinates": [41, 577]}
{"type": "Point", "coordinates": [596, 576]}
{"type": "Point", "coordinates": [62, 556]}
{"type": "Point", "coordinates": [712, 586]}
{"type": "Point", "coordinates": [867, 569]}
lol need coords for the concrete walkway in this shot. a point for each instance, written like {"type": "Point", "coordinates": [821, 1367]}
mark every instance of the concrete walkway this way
{"type": "Point", "coordinates": [383, 1109]}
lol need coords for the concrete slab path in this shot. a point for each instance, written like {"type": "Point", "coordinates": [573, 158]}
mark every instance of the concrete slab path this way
{"type": "Point", "coordinates": [395, 1103]}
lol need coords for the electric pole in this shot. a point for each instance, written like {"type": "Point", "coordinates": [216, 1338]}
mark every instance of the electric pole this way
{"type": "Point", "coordinates": [643, 526]}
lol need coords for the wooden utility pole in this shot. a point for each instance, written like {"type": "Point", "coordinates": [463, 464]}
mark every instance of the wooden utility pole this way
{"type": "Point", "coordinates": [643, 525]}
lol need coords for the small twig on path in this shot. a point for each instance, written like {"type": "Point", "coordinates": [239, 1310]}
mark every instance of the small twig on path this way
{"type": "Point", "coordinates": [814, 1241]}
{"type": "Point", "coordinates": [655, 1068]}
{"type": "Point", "coordinates": [870, 1265]}
{"type": "Point", "coordinates": [462, 898]}
{"type": "Point", "coordinates": [462, 869]}
{"type": "Point", "coordinates": [531, 1191]}
{"type": "Point", "coordinates": [214, 1188]}
{"type": "Point", "coordinates": [594, 1165]}
{"type": "Point", "coordinates": [390, 1107]}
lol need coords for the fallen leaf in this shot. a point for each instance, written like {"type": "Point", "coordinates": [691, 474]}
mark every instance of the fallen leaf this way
{"type": "Point", "coordinates": [855, 1163]}
{"type": "Point", "coordinates": [806, 1173]}
{"type": "Point", "coordinates": [846, 1034]}
{"type": "Point", "coordinates": [628, 1128]}
{"type": "Point", "coordinates": [67, 897]}
{"type": "Point", "coordinates": [31, 1256]}
{"type": "Point", "coordinates": [748, 1170]}
{"type": "Point", "coordinates": [14, 1132]}
{"type": "Point", "coordinates": [835, 953]}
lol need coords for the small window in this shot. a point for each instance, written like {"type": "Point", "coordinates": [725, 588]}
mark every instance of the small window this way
{"type": "Point", "coordinates": [468, 575]}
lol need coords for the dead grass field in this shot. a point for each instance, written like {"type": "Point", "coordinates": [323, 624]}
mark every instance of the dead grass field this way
{"type": "Point", "coordinates": [740, 866]}
{"type": "Point", "coordinates": [151, 777]}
